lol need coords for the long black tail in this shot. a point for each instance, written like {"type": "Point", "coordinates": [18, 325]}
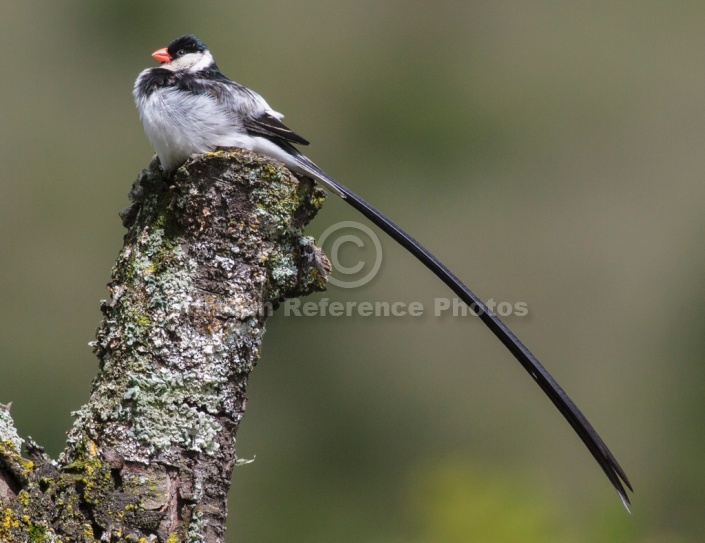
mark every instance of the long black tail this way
{"type": "Point", "coordinates": [551, 388]}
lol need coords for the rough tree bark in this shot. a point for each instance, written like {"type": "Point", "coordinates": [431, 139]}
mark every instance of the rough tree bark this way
{"type": "Point", "coordinates": [206, 257]}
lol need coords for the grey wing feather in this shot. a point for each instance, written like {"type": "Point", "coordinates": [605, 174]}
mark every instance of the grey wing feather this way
{"type": "Point", "coordinates": [250, 111]}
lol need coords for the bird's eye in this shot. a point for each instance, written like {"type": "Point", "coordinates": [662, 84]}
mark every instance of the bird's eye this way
{"type": "Point", "coordinates": [181, 53]}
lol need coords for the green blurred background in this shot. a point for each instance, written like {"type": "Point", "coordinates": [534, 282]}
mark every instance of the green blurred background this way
{"type": "Point", "coordinates": [550, 153]}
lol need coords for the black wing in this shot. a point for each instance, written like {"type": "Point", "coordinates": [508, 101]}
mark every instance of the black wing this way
{"type": "Point", "coordinates": [268, 126]}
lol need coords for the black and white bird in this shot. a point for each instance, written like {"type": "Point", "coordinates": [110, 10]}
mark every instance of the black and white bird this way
{"type": "Point", "coordinates": [188, 106]}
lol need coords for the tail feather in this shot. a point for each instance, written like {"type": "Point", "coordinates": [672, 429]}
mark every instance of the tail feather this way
{"type": "Point", "coordinates": [529, 362]}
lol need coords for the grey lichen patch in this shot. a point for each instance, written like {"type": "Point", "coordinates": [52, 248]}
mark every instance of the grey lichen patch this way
{"type": "Point", "coordinates": [14, 469]}
{"type": "Point", "coordinates": [8, 432]}
{"type": "Point", "coordinates": [283, 267]}
{"type": "Point", "coordinates": [171, 408]}
{"type": "Point", "coordinates": [194, 533]}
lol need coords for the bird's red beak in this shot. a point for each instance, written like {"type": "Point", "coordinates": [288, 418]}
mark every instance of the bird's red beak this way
{"type": "Point", "coordinates": [162, 55]}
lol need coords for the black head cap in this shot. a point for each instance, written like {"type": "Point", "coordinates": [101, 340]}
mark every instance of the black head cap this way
{"type": "Point", "coordinates": [185, 45]}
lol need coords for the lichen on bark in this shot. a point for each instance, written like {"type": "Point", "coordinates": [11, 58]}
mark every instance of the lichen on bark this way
{"type": "Point", "coordinates": [207, 255]}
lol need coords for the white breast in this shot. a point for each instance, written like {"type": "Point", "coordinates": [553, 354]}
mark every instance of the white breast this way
{"type": "Point", "coordinates": [180, 124]}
